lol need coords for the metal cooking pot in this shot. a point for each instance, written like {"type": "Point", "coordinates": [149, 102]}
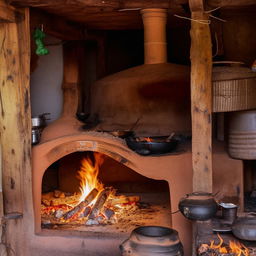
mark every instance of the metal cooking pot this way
{"type": "Point", "coordinates": [35, 136]}
{"type": "Point", "coordinates": [198, 206]}
{"type": "Point", "coordinates": [157, 145]}
{"type": "Point", "coordinates": [39, 121]}
{"type": "Point", "coordinates": [152, 241]}
{"type": "Point", "coordinates": [245, 228]}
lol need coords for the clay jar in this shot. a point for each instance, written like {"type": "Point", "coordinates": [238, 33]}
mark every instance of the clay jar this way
{"type": "Point", "coordinates": [152, 241]}
{"type": "Point", "coordinates": [198, 206]}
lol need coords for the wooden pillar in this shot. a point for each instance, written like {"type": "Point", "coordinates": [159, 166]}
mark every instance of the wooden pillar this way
{"type": "Point", "coordinates": [15, 130]}
{"type": "Point", "coordinates": [201, 102]}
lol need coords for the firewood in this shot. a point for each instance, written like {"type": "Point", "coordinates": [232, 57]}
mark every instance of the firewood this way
{"type": "Point", "coordinates": [108, 213]}
{"type": "Point", "coordinates": [87, 211]}
{"type": "Point", "coordinates": [102, 198]}
{"type": "Point", "coordinates": [46, 202]}
{"type": "Point", "coordinates": [123, 199]}
{"type": "Point", "coordinates": [59, 194]}
{"type": "Point", "coordinates": [81, 205]}
{"type": "Point", "coordinates": [47, 196]}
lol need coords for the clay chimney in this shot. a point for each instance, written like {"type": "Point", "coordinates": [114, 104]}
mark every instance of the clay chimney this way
{"type": "Point", "coordinates": [155, 45]}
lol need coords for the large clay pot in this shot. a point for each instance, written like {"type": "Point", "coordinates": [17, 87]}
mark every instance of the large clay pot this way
{"type": "Point", "coordinates": [152, 241]}
{"type": "Point", "coordinates": [242, 135]}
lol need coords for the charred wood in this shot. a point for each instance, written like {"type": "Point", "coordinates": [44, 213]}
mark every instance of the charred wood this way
{"type": "Point", "coordinates": [81, 205]}
{"type": "Point", "coordinates": [103, 196]}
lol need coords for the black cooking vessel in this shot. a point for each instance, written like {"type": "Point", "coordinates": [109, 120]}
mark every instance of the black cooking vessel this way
{"type": "Point", "coordinates": [245, 228]}
{"type": "Point", "coordinates": [152, 241]}
{"type": "Point", "coordinates": [198, 206]}
{"type": "Point", "coordinates": [158, 145]}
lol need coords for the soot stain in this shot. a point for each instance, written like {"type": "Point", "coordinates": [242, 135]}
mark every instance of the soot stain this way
{"type": "Point", "coordinates": [10, 78]}
{"type": "Point", "coordinates": [26, 100]}
{"type": "Point", "coordinates": [12, 183]}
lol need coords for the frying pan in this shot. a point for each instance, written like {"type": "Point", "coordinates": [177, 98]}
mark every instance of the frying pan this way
{"type": "Point", "coordinates": [157, 145]}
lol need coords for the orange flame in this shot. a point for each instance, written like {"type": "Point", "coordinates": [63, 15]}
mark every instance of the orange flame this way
{"type": "Point", "coordinates": [88, 175]}
{"type": "Point", "coordinates": [234, 247]}
{"type": "Point", "coordinates": [148, 139]}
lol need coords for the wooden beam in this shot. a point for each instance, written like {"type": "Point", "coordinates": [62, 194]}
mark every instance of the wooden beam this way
{"type": "Point", "coordinates": [15, 130]}
{"type": "Point", "coordinates": [7, 12]}
{"type": "Point", "coordinates": [231, 3]}
{"type": "Point", "coordinates": [201, 102]}
{"type": "Point", "coordinates": [116, 4]}
{"type": "Point", "coordinates": [56, 26]}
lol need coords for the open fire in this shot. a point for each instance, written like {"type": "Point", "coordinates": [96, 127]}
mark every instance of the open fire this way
{"type": "Point", "coordinates": [233, 248]}
{"type": "Point", "coordinates": [93, 205]}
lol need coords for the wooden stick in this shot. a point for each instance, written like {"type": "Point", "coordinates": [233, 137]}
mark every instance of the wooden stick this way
{"type": "Point", "coordinates": [81, 205]}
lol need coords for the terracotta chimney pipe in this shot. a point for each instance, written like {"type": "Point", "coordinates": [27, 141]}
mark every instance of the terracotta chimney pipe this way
{"type": "Point", "coordinates": [155, 45]}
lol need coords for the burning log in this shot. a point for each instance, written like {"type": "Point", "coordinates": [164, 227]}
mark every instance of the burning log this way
{"type": "Point", "coordinates": [59, 194]}
{"type": "Point", "coordinates": [102, 198]}
{"type": "Point", "coordinates": [81, 205]}
{"type": "Point", "coordinates": [124, 199]}
{"type": "Point", "coordinates": [108, 213]}
{"type": "Point", "coordinates": [87, 211]}
{"type": "Point", "coordinates": [233, 249]}
{"type": "Point", "coordinates": [50, 200]}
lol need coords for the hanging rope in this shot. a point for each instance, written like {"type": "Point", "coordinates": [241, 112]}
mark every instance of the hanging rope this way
{"type": "Point", "coordinates": [206, 22]}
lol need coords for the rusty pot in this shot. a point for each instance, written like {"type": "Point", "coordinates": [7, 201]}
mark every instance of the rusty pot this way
{"type": "Point", "coordinates": [198, 206]}
{"type": "Point", "coordinates": [152, 241]}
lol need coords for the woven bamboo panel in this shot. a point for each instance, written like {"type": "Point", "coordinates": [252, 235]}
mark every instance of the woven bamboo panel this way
{"type": "Point", "coordinates": [234, 95]}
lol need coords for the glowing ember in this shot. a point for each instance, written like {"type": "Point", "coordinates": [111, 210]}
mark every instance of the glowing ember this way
{"type": "Point", "coordinates": [88, 175]}
{"type": "Point", "coordinates": [234, 248]}
{"type": "Point", "coordinates": [148, 139]}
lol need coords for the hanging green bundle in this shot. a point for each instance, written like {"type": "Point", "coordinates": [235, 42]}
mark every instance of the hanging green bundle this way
{"type": "Point", "coordinates": [38, 36]}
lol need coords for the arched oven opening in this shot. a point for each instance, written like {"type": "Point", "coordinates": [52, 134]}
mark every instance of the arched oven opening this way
{"type": "Point", "coordinates": [91, 192]}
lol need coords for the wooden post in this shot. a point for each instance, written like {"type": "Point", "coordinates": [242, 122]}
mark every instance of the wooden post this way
{"type": "Point", "coordinates": [15, 130]}
{"type": "Point", "coordinates": [201, 102]}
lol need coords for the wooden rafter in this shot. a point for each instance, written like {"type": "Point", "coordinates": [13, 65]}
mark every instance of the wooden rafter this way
{"type": "Point", "coordinates": [123, 4]}
{"type": "Point", "coordinates": [56, 26]}
{"type": "Point", "coordinates": [116, 4]}
{"type": "Point", "coordinates": [7, 12]}
{"type": "Point", "coordinates": [231, 3]}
